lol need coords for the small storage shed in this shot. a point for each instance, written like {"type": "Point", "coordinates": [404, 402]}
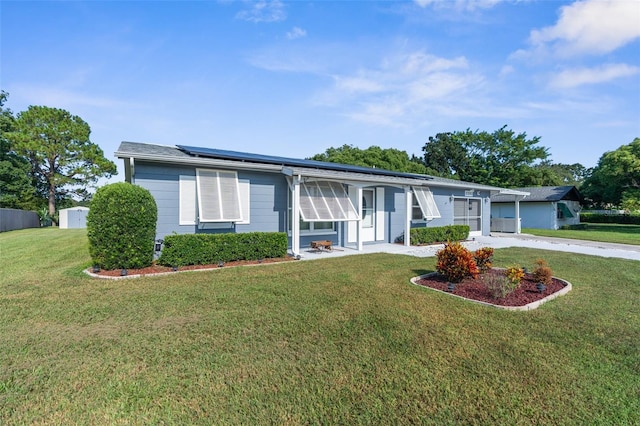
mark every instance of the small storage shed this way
{"type": "Point", "coordinates": [73, 217]}
{"type": "Point", "coordinates": [547, 207]}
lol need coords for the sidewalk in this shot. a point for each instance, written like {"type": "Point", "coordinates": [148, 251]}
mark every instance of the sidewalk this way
{"type": "Point", "coordinates": [496, 240]}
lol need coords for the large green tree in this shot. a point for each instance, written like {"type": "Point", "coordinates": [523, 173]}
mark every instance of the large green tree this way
{"type": "Point", "coordinates": [553, 174]}
{"type": "Point", "coordinates": [374, 156]}
{"type": "Point", "coordinates": [501, 158]}
{"type": "Point", "coordinates": [616, 177]}
{"type": "Point", "coordinates": [16, 188]}
{"type": "Point", "coordinates": [62, 158]}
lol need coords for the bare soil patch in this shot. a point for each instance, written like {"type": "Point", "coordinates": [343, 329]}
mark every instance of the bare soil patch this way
{"type": "Point", "coordinates": [475, 289]}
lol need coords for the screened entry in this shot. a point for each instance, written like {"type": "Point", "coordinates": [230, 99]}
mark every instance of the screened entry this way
{"type": "Point", "coordinates": [468, 211]}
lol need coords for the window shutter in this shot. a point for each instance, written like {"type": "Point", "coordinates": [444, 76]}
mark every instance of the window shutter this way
{"type": "Point", "coordinates": [187, 200]}
{"type": "Point", "coordinates": [325, 202]}
{"type": "Point", "coordinates": [218, 196]}
{"type": "Point", "coordinates": [426, 202]}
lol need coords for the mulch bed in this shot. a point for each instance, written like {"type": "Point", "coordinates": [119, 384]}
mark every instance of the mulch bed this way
{"type": "Point", "coordinates": [476, 290]}
{"type": "Point", "coordinates": [158, 269]}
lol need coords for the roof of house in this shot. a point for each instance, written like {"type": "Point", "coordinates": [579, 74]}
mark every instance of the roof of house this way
{"type": "Point", "coordinates": [541, 194]}
{"type": "Point", "coordinates": [292, 166]}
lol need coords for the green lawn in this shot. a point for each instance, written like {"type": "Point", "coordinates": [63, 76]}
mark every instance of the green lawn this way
{"type": "Point", "coordinates": [605, 232]}
{"type": "Point", "coordinates": [334, 341]}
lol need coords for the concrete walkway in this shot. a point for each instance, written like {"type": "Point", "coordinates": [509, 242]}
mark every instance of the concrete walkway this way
{"type": "Point", "coordinates": [496, 240]}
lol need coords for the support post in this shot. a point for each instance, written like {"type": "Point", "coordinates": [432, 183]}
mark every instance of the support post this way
{"type": "Point", "coordinates": [295, 216]}
{"type": "Point", "coordinates": [408, 196]}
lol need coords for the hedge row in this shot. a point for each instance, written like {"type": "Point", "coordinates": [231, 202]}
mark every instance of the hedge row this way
{"type": "Point", "coordinates": [205, 249]}
{"type": "Point", "coordinates": [622, 219]}
{"type": "Point", "coordinates": [438, 234]}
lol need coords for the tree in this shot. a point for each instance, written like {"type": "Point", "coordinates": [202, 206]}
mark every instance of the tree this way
{"type": "Point", "coordinates": [446, 156]}
{"type": "Point", "coordinates": [374, 156]}
{"type": "Point", "coordinates": [16, 189]}
{"type": "Point", "coordinates": [62, 158]}
{"type": "Point", "coordinates": [554, 174]}
{"type": "Point", "coordinates": [501, 158]}
{"type": "Point", "coordinates": [615, 177]}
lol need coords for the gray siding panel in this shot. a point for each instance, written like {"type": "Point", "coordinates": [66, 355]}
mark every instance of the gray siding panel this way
{"type": "Point", "coordinates": [268, 196]}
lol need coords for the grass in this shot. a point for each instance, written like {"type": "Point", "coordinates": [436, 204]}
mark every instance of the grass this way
{"type": "Point", "coordinates": [605, 232]}
{"type": "Point", "coordinates": [345, 340]}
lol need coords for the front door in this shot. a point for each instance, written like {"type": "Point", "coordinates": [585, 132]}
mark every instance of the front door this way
{"type": "Point", "coordinates": [468, 211]}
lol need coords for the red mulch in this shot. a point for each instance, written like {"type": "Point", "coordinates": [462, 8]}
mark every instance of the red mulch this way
{"type": "Point", "coordinates": [475, 289]}
{"type": "Point", "coordinates": [158, 269]}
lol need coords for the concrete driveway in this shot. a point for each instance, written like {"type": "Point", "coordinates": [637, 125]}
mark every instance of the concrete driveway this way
{"type": "Point", "coordinates": [496, 240]}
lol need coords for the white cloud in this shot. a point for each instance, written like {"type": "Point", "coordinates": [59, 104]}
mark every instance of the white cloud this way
{"type": "Point", "coordinates": [264, 11]}
{"type": "Point", "coordinates": [401, 89]}
{"type": "Point", "coordinates": [580, 76]}
{"type": "Point", "coordinates": [295, 33]}
{"type": "Point", "coordinates": [589, 27]}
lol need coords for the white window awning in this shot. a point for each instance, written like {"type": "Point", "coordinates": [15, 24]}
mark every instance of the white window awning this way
{"type": "Point", "coordinates": [325, 201]}
{"type": "Point", "coordinates": [426, 202]}
{"type": "Point", "coordinates": [218, 196]}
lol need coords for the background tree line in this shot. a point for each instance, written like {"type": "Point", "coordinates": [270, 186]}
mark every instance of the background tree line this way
{"type": "Point", "coordinates": [505, 159]}
{"type": "Point", "coordinates": [47, 160]}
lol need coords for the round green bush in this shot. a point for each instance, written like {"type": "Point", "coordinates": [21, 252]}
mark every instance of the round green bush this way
{"type": "Point", "coordinates": [121, 226]}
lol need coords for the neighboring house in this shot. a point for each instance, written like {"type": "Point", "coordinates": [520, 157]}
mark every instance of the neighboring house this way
{"type": "Point", "coordinates": [547, 207]}
{"type": "Point", "coordinates": [73, 217]}
{"type": "Point", "coordinates": [210, 190]}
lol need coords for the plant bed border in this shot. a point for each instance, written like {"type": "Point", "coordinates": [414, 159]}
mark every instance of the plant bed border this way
{"type": "Point", "coordinates": [528, 307]}
{"type": "Point", "coordinates": [158, 270]}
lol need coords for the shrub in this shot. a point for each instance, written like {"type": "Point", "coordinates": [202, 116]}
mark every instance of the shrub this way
{"type": "Point", "coordinates": [575, 227]}
{"type": "Point", "coordinates": [456, 262]}
{"type": "Point", "coordinates": [438, 234]}
{"type": "Point", "coordinates": [121, 226]}
{"type": "Point", "coordinates": [514, 274]}
{"type": "Point", "coordinates": [622, 219]}
{"type": "Point", "coordinates": [542, 272]}
{"type": "Point", "coordinates": [205, 249]}
{"type": "Point", "coordinates": [498, 285]}
{"type": "Point", "coordinates": [483, 258]}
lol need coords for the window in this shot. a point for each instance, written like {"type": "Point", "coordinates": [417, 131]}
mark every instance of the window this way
{"type": "Point", "coordinates": [563, 212]}
{"type": "Point", "coordinates": [424, 205]}
{"type": "Point", "coordinates": [316, 227]}
{"type": "Point", "coordinates": [213, 196]}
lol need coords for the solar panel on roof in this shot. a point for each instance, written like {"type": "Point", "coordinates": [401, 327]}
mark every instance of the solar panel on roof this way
{"type": "Point", "coordinates": [270, 159]}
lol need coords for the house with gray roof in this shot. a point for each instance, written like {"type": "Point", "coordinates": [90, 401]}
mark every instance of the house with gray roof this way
{"type": "Point", "coordinates": [546, 207]}
{"type": "Point", "coordinates": [206, 190]}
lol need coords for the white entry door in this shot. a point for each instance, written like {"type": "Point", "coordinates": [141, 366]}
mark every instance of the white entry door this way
{"type": "Point", "coordinates": [373, 225]}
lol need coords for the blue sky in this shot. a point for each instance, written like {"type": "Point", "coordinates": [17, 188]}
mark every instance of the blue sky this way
{"type": "Point", "coordinates": [295, 78]}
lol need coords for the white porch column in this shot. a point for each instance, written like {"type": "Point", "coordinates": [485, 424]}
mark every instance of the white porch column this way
{"type": "Point", "coordinates": [518, 227]}
{"type": "Point", "coordinates": [359, 228]}
{"type": "Point", "coordinates": [408, 213]}
{"type": "Point", "coordinates": [295, 216]}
